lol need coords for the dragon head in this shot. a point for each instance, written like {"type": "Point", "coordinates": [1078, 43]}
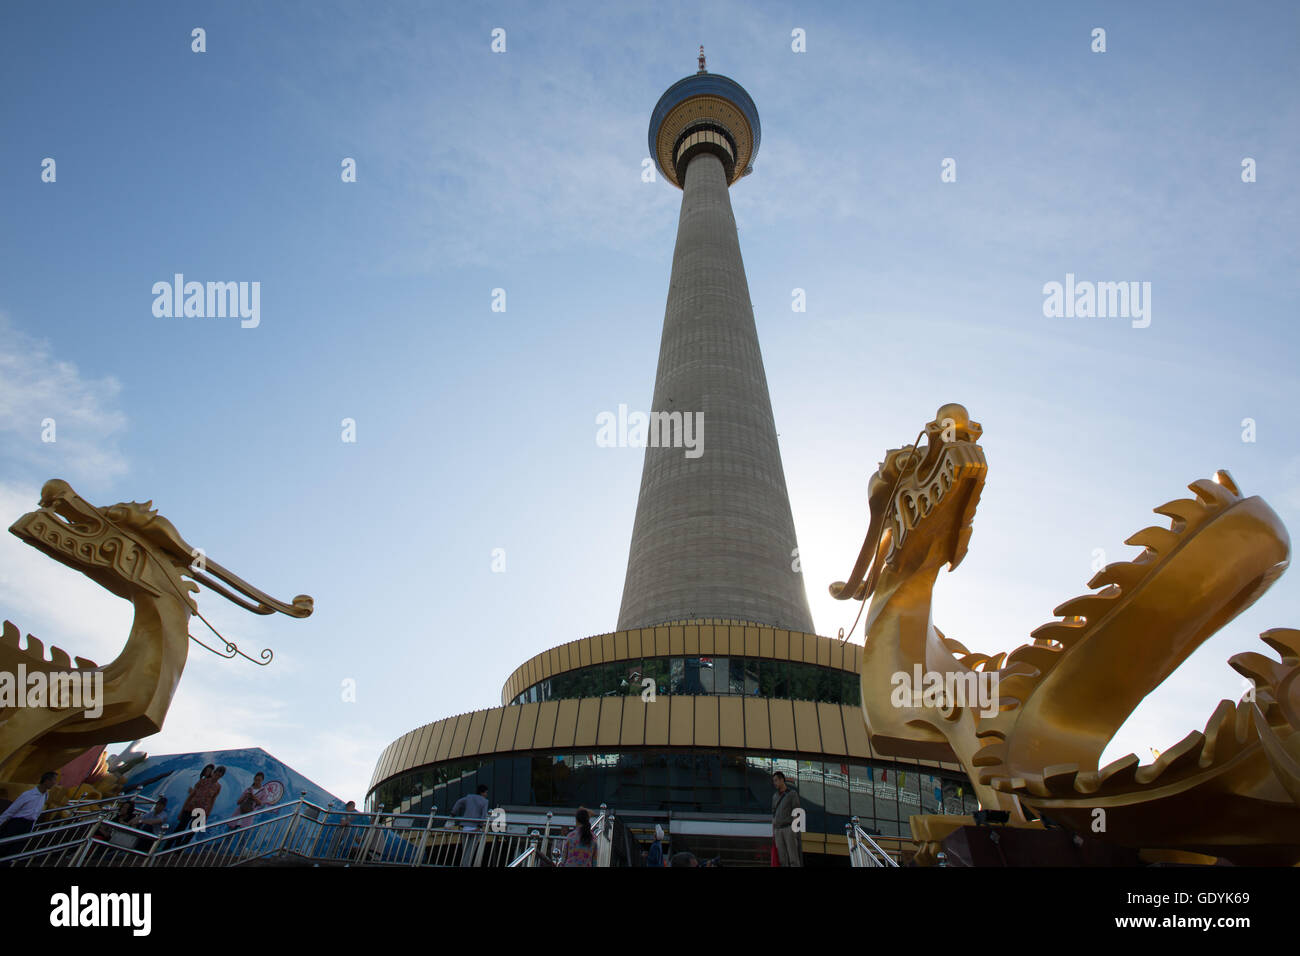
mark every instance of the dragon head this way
{"type": "Point", "coordinates": [130, 549]}
{"type": "Point", "coordinates": [922, 500]}
{"type": "Point", "coordinates": [126, 548]}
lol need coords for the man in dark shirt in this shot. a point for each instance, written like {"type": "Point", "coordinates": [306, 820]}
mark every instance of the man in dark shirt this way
{"type": "Point", "coordinates": [784, 804]}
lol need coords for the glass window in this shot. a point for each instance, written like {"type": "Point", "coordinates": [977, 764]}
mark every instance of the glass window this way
{"type": "Point", "coordinates": [812, 794]}
{"type": "Point", "coordinates": [692, 683]}
{"type": "Point", "coordinates": [721, 675]}
{"type": "Point", "coordinates": [736, 677]}
{"type": "Point", "coordinates": [758, 782]}
{"type": "Point", "coordinates": [803, 681]}
{"type": "Point", "coordinates": [837, 797]}
{"type": "Point", "coordinates": [733, 793]}
{"type": "Point", "coordinates": [681, 780]}
{"type": "Point", "coordinates": [767, 678]}
{"type": "Point", "coordinates": [566, 788]}
{"type": "Point", "coordinates": [656, 668]}
{"type": "Point", "coordinates": [751, 676]}
{"type": "Point", "coordinates": [632, 675]}
{"type": "Point", "coordinates": [625, 788]}
{"type": "Point", "coordinates": [781, 678]}
{"type": "Point", "coordinates": [828, 685]}
{"type": "Point", "coordinates": [677, 676]}
{"type": "Point", "coordinates": [708, 781]}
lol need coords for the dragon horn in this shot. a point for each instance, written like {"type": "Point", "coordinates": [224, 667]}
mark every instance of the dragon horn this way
{"type": "Point", "coordinates": [302, 605]}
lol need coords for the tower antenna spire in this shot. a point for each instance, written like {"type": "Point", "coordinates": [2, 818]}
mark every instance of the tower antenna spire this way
{"type": "Point", "coordinates": [702, 70]}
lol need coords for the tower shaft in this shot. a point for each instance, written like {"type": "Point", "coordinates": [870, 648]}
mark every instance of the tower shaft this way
{"type": "Point", "coordinates": [713, 535]}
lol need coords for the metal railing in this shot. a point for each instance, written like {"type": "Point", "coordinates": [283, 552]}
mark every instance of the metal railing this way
{"type": "Point", "coordinates": [863, 850]}
{"type": "Point", "coordinates": [296, 833]}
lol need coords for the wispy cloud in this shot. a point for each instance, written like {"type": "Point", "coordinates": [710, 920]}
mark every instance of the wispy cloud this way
{"type": "Point", "coordinates": [38, 388]}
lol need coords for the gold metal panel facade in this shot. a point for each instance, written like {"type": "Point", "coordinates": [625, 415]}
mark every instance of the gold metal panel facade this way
{"type": "Point", "coordinates": [632, 733]}
{"type": "Point", "coordinates": [509, 727]}
{"type": "Point", "coordinates": [611, 722]}
{"type": "Point", "coordinates": [491, 730]}
{"type": "Point", "coordinates": [831, 722]}
{"type": "Point", "coordinates": [766, 642]}
{"type": "Point", "coordinates": [430, 745]}
{"type": "Point", "coordinates": [584, 653]}
{"type": "Point", "coordinates": [474, 738]}
{"type": "Point", "coordinates": [808, 736]}
{"type": "Point", "coordinates": [781, 715]}
{"type": "Point", "coordinates": [634, 644]}
{"type": "Point", "coordinates": [783, 645]}
{"type": "Point", "coordinates": [588, 719]}
{"type": "Point", "coordinates": [706, 640]}
{"type": "Point", "coordinates": [710, 107]}
{"type": "Point", "coordinates": [566, 723]}
{"type": "Point", "coordinates": [823, 650]}
{"type": "Point", "coordinates": [457, 748]}
{"type": "Point", "coordinates": [731, 721]}
{"type": "Point", "coordinates": [620, 646]}
{"type": "Point", "coordinates": [403, 744]}
{"type": "Point", "coordinates": [547, 714]}
{"type": "Point", "coordinates": [692, 640]}
{"type": "Point", "coordinates": [676, 640]}
{"type": "Point", "coordinates": [656, 722]}
{"type": "Point", "coordinates": [751, 642]}
{"type": "Point", "coordinates": [681, 731]}
{"type": "Point", "coordinates": [706, 721]}
{"type": "Point", "coordinates": [527, 731]}
{"type": "Point", "coordinates": [758, 734]}
{"type": "Point", "coordinates": [662, 643]}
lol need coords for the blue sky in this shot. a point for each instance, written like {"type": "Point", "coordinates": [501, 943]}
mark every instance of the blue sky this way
{"type": "Point", "coordinates": [476, 429]}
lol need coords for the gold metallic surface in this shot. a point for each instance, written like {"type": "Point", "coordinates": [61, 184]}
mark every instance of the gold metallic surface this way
{"type": "Point", "coordinates": [756, 724]}
{"type": "Point", "coordinates": [137, 554]}
{"type": "Point", "coordinates": [707, 637]}
{"type": "Point", "coordinates": [704, 107]}
{"type": "Point", "coordinates": [1232, 791]}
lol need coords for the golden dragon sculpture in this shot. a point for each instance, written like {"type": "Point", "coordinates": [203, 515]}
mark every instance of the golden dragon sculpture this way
{"type": "Point", "coordinates": [1231, 791]}
{"type": "Point", "coordinates": [137, 554]}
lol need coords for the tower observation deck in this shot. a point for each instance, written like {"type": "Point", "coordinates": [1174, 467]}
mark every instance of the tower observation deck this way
{"type": "Point", "coordinates": [713, 535]}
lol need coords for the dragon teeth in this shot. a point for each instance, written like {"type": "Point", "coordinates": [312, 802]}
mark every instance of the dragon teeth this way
{"type": "Point", "coordinates": [1123, 574]}
{"type": "Point", "coordinates": [1182, 511]}
{"type": "Point", "coordinates": [1157, 539]}
{"type": "Point", "coordinates": [1213, 493]}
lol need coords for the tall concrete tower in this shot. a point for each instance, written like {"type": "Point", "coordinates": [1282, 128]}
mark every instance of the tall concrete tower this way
{"type": "Point", "coordinates": [713, 535]}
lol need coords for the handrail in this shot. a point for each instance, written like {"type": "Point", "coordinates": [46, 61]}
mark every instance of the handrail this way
{"type": "Point", "coordinates": [863, 850]}
{"type": "Point", "coordinates": [299, 831]}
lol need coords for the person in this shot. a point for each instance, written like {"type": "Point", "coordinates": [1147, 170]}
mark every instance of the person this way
{"type": "Point", "coordinates": [187, 808]}
{"type": "Point", "coordinates": [341, 836]}
{"type": "Point", "coordinates": [253, 798]}
{"type": "Point", "coordinates": [472, 807]}
{"type": "Point", "coordinates": [202, 796]}
{"type": "Point", "coordinates": [156, 818]}
{"type": "Point", "coordinates": [126, 816]}
{"type": "Point", "coordinates": [656, 855]}
{"type": "Point", "coordinates": [784, 802]}
{"type": "Point", "coordinates": [580, 844]}
{"type": "Point", "coordinates": [20, 816]}
{"type": "Point", "coordinates": [685, 858]}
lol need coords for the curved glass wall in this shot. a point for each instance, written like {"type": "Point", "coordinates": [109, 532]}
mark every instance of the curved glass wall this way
{"type": "Point", "coordinates": [881, 794]}
{"type": "Point", "coordinates": [738, 676]}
